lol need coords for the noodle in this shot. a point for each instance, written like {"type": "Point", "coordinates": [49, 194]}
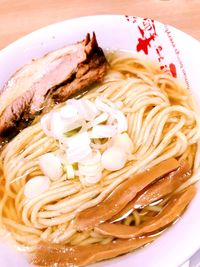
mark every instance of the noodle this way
{"type": "Point", "coordinates": [162, 122]}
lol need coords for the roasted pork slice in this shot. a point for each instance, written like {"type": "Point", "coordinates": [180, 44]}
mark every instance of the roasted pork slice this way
{"type": "Point", "coordinates": [49, 80]}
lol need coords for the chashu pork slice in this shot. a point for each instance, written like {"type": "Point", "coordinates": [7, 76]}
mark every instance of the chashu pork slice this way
{"type": "Point", "coordinates": [49, 80]}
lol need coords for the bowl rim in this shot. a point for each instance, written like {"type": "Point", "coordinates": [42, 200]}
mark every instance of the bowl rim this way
{"type": "Point", "coordinates": [44, 28]}
{"type": "Point", "coordinates": [22, 39]}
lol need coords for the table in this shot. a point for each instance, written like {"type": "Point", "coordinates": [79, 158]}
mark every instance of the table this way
{"type": "Point", "coordinates": [19, 17]}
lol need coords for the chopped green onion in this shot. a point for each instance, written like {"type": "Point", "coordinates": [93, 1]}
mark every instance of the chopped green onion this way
{"type": "Point", "coordinates": [70, 171]}
{"type": "Point", "coordinates": [72, 132]}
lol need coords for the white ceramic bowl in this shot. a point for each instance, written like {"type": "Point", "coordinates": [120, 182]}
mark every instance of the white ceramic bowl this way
{"type": "Point", "coordinates": [178, 53]}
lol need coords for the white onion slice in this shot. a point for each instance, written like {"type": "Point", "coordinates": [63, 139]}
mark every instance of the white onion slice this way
{"type": "Point", "coordinates": [36, 186]}
{"type": "Point", "coordinates": [98, 120]}
{"type": "Point", "coordinates": [124, 141]}
{"type": "Point", "coordinates": [93, 158]}
{"type": "Point", "coordinates": [122, 124]}
{"type": "Point", "coordinates": [114, 158]}
{"type": "Point", "coordinates": [60, 153]}
{"type": "Point", "coordinates": [51, 166]}
{"type": "Point", "coordinates": [92, 111]}
{"type": "Point", "coordinates": [78, 147]}
{"type": "Point", "coordinates": [88, 180]}
{"type": "Point", "coordinates": [115, 114]}
{"type": "Point", "coordinates": [103, 131]}
{"type": "Point", "coordinates": [72, 126]}
{"type": "Point", "coordinates": [57, 125]}
{"type": "Point", "coordinates": [120, 120]}
{"type": "Point", "coordinates": [78, 140]}
{"type": "Point", "coordinates": [90, 169]}
{"type": "Point", "coordinates": [46, 124]}
{"type": "Point", "coordinates": [119, 104]}
{"type": "Point", "coordinates": [109, 103]}
{"type": "Point", "coordinates": [86, 109]}
{"type": "Point", "coordinates": [79, 153]}
{"type": "Point", "coordinates": [69, 113]}
{"type": "Point", "coordinates": [102, 106]}
{"type": "Point", "coordinates": [82, 110]}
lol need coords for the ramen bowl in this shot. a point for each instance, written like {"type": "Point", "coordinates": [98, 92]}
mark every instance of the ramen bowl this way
{"type": "Point", "coordinates": [177, 54]}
